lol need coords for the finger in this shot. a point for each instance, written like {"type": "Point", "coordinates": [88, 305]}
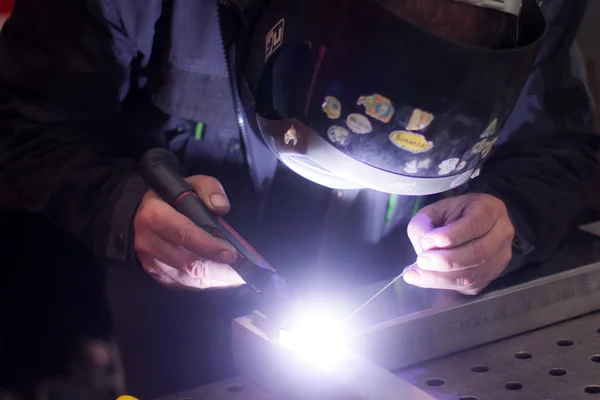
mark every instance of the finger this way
{"type": "Point", "coordinates": [159, 249]}
{"type": "Point", "coordinates": [209, 275]}
{"type": "Point", "coordinates": [474, 222]}
{"type": "Point", "coordinates": [211, 192]}
{"type": "Point", "coordinates": [421, 224]}
{"type": "Point", "coordinates": [488, 248]}
{"type": "Point", "coordinates": [469, 281]}
{"type": "Point", "coordinates": [177, 229]}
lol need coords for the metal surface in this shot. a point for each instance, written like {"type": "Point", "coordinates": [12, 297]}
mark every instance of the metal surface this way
{"type": "Point", "coordinates": [289, 375]}
{"type": "Point", "coordinates": [238, 388]}
{"type": "Point", "coordinates": [472, 322]}
{"type": "Point", "coordinates": [561, 362]}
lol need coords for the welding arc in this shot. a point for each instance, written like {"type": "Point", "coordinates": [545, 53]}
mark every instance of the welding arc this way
{"type": "Point", "coordinates": [386, 287]}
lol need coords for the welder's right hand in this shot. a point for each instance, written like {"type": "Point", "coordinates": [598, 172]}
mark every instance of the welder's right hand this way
{"type": "Point", "coordinates": [176, 252]}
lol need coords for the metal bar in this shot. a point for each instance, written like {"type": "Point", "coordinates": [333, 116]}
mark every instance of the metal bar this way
{"type": "Point", "coordinates": [468, 323]}
{"type": "Point", "coordinates": [284, 374]}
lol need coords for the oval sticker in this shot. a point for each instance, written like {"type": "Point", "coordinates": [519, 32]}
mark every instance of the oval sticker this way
{"type": "Point", "coordinates": [339, 135]}
{"type": "Point", "coordinates": [413, 142]}
{"type": "Point", "coordinates": [358, 123]}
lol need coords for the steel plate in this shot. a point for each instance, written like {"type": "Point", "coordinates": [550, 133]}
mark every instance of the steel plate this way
{"type": "Point", "coordinates": [561, 362]}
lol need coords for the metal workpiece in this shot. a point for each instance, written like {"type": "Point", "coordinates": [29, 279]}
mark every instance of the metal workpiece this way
{"type": "Point", "coordinates": [469, 322]}
{"type": "Point", "coordinates": [289, 376]}
{"type": "Point", "coordinates": [560, 362]}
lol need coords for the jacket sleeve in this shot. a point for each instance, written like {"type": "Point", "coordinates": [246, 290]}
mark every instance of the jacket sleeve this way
{"type": "Point", "coordinates": [64, 74]}
{"type": "Point", "coordinates": [542, 170]}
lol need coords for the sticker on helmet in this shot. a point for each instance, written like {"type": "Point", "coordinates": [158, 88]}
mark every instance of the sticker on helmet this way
{"type": "Point", "coordinates": [339, 135]}
{"type": "Point", "coordinates": [461, 180]}
{"type": "Point", "coordinates": [332, 107]}
{"type": "Point", "coordinates": [291, 136]}
{"type": "Point", "coordinates": [274, 39]}
{"type": "Point", "coordinates": [490, 130]}
{"type": "Point", "coordinates": [448, 166]}
{"type": "Point", "coordinates": [358, 123]}
{"type": "Point", "coordinates": [488, 148]}
{"type": "Point", "coordinates": [413, 142]}
{"type": "Point", "coordinates": [419, 120]}
{"type": "Point", "coordinates": [461, 166]}
{"type": "Point", "coordinates": [377, 106]}
{"type": "Point", "coordinates": [414, 166]}
{"type": "Point", "coordinates": [478, 148]}
{"type": "Point", "coordinates": [476, 173]}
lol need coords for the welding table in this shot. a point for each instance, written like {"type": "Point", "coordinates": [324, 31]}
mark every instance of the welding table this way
{"type": "Point", "coordinates": [532, 335]}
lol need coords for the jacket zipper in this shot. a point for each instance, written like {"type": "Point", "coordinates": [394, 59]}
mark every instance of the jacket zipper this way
{"type": "Point", "coordinates": [228, 49]}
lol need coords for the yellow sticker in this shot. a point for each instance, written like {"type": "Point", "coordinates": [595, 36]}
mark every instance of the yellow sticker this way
{"type": "Point", "coordinates": [419, 120]}
{"type": "Point", "coordinates": [126, 397]}
{"type": "Point", "coordinates": [377, 106]}
{"type": "Point", "coordinates": [478, 148]}
{"type": "Point", "coordinates": [491, 130]}
{"type": "Point", "coordinates": [413, 142]}
{"type": "Point", "coordinates": [291, 136]}
{"type": "Point", "coordinates": [332, 107]}
{"type": "Point", "coordinates": [488, 148]}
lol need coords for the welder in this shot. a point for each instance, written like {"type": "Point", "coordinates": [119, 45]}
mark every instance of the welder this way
{"type": "Point", "coordinates": [320, 129]}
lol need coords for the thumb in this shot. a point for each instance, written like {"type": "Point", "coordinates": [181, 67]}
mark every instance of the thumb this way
{"type": "Point", "coordinates": [211, 192]}
{"type": "Point", "coordinates": [424, 222]}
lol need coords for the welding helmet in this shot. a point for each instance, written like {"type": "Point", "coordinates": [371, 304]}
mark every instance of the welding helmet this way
{"type": "Point", "coordinates": [351, 96]}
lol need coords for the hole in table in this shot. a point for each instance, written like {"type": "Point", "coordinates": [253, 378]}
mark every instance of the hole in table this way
{"type": "Point", "coordinates": [434, 382]}
{"type": "Point", "coordinates": [557, 372]}
{"type": "Point", "coordinates": [523, 355]}
{"type": "Point", "coordinates": [565, 342]}
{"type": "Point", "coordinates": [514, 386]}
{"type": "Point", "coordinates": [598, 330]}
{"type": "Point", "coordinates": [595, 358]}
{"type": "Point", "coordinates": [592, 389]}
{"type": "Point", "coordinates": [468, 398]}
{"type": "Point", "coordinates": [235, 388]}
{"type": "Point", "coordinates": [479, 368]}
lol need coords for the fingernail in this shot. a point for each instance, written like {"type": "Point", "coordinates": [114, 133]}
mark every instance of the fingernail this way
{"type": "Point", "coordinates": [228, 257]}
{"type": "Point", "coordinates": [427, 243]}
{"type": "Point", "coordinates": [412, 276]}
{"type": "Point", "coordinates": [425, 262]}
{"type": "Point", "coordinates": [218, 200]}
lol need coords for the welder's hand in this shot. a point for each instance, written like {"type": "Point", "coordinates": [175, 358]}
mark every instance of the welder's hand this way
{"type": "Point", "coordinates": [463, 243]}
{"type": "Point", "coordinates": [177, 253]}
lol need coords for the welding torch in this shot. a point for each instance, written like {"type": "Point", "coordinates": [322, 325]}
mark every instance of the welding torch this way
{"type": "Point", "coordinates": [159, 168]}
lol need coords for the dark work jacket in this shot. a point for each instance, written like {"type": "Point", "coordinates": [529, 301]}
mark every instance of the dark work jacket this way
{"type": "Point", "coordinates": [87, 86]}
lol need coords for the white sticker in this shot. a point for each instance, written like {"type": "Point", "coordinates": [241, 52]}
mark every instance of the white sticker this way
{"type": "Point", "coordinates": [339, 135]}
{"type": "Point", "coordinates": [291, 136]}
{"type": "Point", "coordinates": [461, 166]}
{"type": "Point", "coordinates": [358, 123]}
{"type": "Point", "coordinates": [478, 148]}
{"type": "Point", "coordinates": [274, 39]}
{"type": "Point", "coordinates": [476, 173]}
{"type": "Point", "coordinates": [488, 148]}
{"type": "Point", "coordinates": [461, 180]}
{"type": "Point", "coordinates": [448, 166]}
{"type": "Point", "coordinates": [411, 167]}
{"type": "Point", "coordinates": [490, 130]}
{"type": "Point", "coordinates": [414, 166]}
{"type": "Point", "coordinates": [419, 120]}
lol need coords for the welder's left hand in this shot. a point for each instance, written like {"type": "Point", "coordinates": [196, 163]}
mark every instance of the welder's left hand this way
{"type": "Point", "coordinates": [463, 243]}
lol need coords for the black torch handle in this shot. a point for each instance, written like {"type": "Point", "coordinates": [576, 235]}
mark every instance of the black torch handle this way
{"type": "Point", "coordinates": [159, 168]}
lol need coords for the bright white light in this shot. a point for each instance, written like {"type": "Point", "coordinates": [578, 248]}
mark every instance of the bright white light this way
{"type": "Point", "coordinates": [318, 338]}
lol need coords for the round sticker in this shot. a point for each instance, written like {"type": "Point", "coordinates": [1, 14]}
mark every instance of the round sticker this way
{"type": "Point", "coordinates": [358, 123]}
{"type": "Point", "coordinates": [332, 107]}
{"type": "Point", "coordinates": [339, 135]}
{"type": "Point", "coordinates": [461, 180]}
